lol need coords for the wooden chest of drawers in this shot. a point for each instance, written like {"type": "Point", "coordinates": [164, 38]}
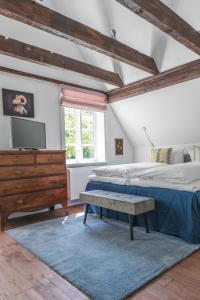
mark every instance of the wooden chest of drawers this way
{"type": "Point", "coordinates": [31, 180]}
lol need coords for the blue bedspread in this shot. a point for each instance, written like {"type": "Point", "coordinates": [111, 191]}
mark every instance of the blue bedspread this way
{"type": "Point", "coordinates": [177, 212]}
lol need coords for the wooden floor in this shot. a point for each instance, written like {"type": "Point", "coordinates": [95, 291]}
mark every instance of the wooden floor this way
{"type": "Point", "coordinates": [23, 276]}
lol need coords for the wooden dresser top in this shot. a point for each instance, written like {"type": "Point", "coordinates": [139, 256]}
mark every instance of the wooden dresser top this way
{"type": "Point", "coordinates": [18, 152]}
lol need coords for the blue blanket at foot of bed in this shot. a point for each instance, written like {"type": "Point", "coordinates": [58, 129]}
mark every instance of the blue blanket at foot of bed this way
{"type": "Point", "coordinates": [177, 212]}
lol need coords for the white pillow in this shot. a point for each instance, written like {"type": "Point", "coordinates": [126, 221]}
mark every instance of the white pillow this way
{"type": "Point", "coordinates": [177, 156]}
{"type": "Point", "coordinates": [191, 153]}
{"type": "Point", "coordinates": [194, 153]}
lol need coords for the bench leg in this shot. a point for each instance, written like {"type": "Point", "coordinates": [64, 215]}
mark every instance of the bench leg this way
{"type": "Point", "coordinates": [146, 222]}
{"type": "Point", "coordinates": [52, 208]}
{"type": "Point", "coordinates": [131, 219]}
{"type": "Point", "coordinates": [86, 207]}
{"type": "Point", "coordinates": [100, 212]}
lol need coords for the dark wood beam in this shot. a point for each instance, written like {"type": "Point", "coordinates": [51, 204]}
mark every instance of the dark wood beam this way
{"type": "Point", "coordinates": [34, 54]}
{"type": "Point", "coordinates": [48, 20]}
{"type": "Point", "coordinates": [43, 78]}
{"type": "Point", "coordinates": [160, 15]}
{"type": "Point", "coordinates": [171, 77]}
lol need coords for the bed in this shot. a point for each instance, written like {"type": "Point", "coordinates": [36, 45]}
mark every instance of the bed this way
{"type": "Point", "coordinates": [177, 205]}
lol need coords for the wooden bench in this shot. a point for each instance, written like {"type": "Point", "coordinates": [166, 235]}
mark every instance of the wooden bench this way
{"type": "Point", "coordinates": [130, 204]}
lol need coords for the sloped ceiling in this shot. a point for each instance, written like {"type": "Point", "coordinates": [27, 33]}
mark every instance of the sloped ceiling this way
{"type": "Point", "coordinates": [171, 115]}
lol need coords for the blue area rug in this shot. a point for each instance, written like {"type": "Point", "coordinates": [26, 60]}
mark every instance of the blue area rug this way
{"type": "Point", "coordinates": [98, 258]}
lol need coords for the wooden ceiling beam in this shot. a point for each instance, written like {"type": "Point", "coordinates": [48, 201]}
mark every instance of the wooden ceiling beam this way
{"type": "Point", "coordinates": [53, 22]}
{"type": "Point", "coordinates": [160, 15]}
{"type": "Point", "coordinates": [40, 56]}
{"type": "Point", "coordinates": [165, 79]}
{"type": "Point", "coordinates": [43, 78]}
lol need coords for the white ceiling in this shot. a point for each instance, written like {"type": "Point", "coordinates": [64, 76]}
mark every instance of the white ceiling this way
{"type": "Point", "coordinates": [103, 15]}
{"type": "Point", "coordinates": [172, 114]}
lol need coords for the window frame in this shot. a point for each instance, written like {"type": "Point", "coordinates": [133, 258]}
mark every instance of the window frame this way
{"type": "Point", "coordinates": [80, 162]}
{"type": "Point", "coordinates": [94, 139]}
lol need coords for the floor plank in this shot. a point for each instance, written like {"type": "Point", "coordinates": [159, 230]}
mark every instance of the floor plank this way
{"type": "Point", "coordinates": [23, 276]}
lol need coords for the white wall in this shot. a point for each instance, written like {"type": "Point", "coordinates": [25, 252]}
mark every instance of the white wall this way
{"type": "Point", "coordinates": [46, 97]}
{"type": "Point", "coordinates": [47, 110]}
{"type": "Point", "coordinates": [115, 130]}
{"type": "Point", "coordinates": [143, 153]}
{"type": "Point", "coordinates": [171, 116]}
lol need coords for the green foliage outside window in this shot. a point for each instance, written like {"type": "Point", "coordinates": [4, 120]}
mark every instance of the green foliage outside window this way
{"type": "Point", "coordinates": [82, 120]}
{"type": "Point", "coordinates": [70, 136]}
{"type": "Point", "coordinates": [87, 137]}
{"type": "Point", "coordinates": [70, 115]}
{"type": "Point", "coordinates": [88, 152]}
{"type": "Point", "coordinates": [70, 152]}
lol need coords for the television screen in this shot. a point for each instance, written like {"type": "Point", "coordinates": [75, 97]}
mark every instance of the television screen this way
{"type": "Point", "coordinates": [28, 134]}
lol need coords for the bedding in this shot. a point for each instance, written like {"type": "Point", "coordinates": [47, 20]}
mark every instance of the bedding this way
{"type": "Point", "coordinates": [177, 156]}
{"type": "Point", "coordinates": [197, 153]}
{"type": "Point", "coordinates": [191, 153]}
{"type": "Point", "coordinates": [168, 155]}
{"type": "Point", "coordinates": [194, 153]}
{"type": "Point", "coordinates": [190, 187]}
{"type": "Point", "coordinates": [162, 155]}
{"type": "Point", "coordinates": [111, 179]}
{"type": "Point", "coordinates": [177, 212]}
{"type": "Point", "coordinates": [125, 170]}
{"type": "Point", "coordinates": [178, 173]}
{"type": "Point", "coordinates": [176, 189]}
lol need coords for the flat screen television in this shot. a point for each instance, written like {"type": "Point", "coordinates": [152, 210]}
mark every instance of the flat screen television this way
{"type": "Point", "coordinates": [28, 134]}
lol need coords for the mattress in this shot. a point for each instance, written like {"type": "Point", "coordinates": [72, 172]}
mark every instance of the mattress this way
{"type": "Point", "coordinates": [189, 187]}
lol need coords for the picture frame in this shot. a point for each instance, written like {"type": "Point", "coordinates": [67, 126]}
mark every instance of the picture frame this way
{"type": "Point", "coordinates": [119, 146]}
{"type": "Point", "coordinates": [18, 104]}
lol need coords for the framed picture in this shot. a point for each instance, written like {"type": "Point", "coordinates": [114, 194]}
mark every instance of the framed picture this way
{"type": "Point", "coordinates": [119, 147]}
{"type": "Point", "coordinates": [19, 104]}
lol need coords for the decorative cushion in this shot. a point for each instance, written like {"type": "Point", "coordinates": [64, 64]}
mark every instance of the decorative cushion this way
{"type": "Point", "coordinates": [162, 155]}
{"type": "Point", "coordinates": [177, 156]}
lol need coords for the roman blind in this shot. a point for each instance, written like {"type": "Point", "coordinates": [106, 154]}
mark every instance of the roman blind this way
{"type": "Point", "coordinates": [82, 98]}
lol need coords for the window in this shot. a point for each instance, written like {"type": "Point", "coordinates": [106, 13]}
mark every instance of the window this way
{"type": "Point", "coordinates": [84, 135]}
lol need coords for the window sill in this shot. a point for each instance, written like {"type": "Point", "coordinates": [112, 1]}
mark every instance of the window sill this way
{"type": "Point", "coordinates": [86, 164]}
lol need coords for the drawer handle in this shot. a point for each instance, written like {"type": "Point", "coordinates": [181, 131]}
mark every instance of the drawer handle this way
{"type": "Point", "coordinates": [20, 201]}
{"type": "Point", "coordinates": [17, 159]}
{"type": "Point", "coordinates": [18, 172]}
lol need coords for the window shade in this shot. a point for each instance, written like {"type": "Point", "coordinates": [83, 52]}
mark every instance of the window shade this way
{"type": "Point", "coordinates": [82, 98]}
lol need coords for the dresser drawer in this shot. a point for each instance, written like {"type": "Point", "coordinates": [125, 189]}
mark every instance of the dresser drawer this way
{"type": "Point", "coordinates": [31, 171]}
{"type": "Point", "coordinates": [28, 185]}
{"type": "Point", "coordinates": [53, 158]}
{"type": "Point", "coordinates": [33, 200]}
{"type": "Point", "coordinates": [14, 159]}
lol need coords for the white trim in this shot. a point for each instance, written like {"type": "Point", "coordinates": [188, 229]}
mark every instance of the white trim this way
{"type": "Point", "coordinates": [79, 148]}
{"type": "Point", "coordinates": [89, 164]}
{"type": "Point", "coordinates": [62, 128]}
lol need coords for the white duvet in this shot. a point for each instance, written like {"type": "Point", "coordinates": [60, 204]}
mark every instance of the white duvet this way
{"type": "Point", "coordinates": [125, 170]}
{"type": "Point", "coordinates": [190, 187]}
{"type": "Point", "coordinates": [184, 176]}
{"type": "Point", "coordinates": [178, 173]}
